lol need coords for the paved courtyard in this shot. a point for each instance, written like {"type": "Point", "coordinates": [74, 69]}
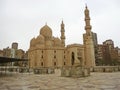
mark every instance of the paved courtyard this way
{"type": "Point", "coordinates": [97, 81]}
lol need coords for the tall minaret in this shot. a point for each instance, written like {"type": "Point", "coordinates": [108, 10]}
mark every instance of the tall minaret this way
{"type": "Point", "coordinates": [63, 34]}
{"type": "Point", "coordinates": [88, 42]}
{"type": "Point", "coordinates": [88, 27]}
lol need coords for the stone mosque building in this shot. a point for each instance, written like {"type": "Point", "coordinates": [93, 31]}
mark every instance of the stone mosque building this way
{"type": "Point", "coordinates": [49, 51]}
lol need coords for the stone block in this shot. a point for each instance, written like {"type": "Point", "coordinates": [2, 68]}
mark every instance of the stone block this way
{"type": "Point", "coordinates": [50, 71]}
{"type": "Point", "coordinates": [86, 72]}
{"type": "Point", "coordinates": [108, 69]}
{"type": "Point", "coordinates": [65, 71]}
{"type": "Point", "coordinates": [58, 72]}
{"type": "Point", "coordinates": [36, 71]}
{"type": "Point", "coordinates": [75, 71]}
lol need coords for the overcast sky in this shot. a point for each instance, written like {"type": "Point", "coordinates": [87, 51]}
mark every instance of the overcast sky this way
{"type": "Point", "coordinates": [21, 20]}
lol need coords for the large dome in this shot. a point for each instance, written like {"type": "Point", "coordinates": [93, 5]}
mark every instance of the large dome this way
{"type": "Point", "coordinates": [46, 31]}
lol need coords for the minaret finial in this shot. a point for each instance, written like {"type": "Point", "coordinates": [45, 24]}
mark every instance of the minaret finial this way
{"type": "Point", "coordinates": [87, 20]}
{"type": "Point", "coordinates": [85, 5]}
{"type": "Point", "coordinates": [62, 20]}
{"type": "Point", "coordinates": [62, 33]}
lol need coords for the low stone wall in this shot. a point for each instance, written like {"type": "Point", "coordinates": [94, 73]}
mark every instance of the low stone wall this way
{"type": "Point", "coordinates": [28, 70]}
{"type": "Point", "coordinates": [105, 69]}
{"type": "Point", "coordinates": [14, 69]}
{"type": "Point", "coordinates": [43, 71]}
{"type": "Point", "coordinates": [75, 71]}
{"type": "Point", "coordinates": [24, 70]}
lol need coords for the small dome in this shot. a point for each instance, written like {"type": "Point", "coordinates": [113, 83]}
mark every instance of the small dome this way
{"type": "Point", "coordinates": [46, 31]}
{"type": "Point", "coordinates": [32, 42]}
{"type": "Point", "coordinates": [57, 42]}
{"type": "Point", "coordinates": [40, 39]}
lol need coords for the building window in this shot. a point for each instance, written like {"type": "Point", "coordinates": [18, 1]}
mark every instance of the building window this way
{"type": "Point", "coordinates": [54, 56]}
{"type": "Point", "coordinates": [64, 56]}
{"type": "Point", "coordinates": [54, 63]}
{"type": "Point", "coordinates": [41, 63]}
{"type": "Point", "coordinates": [42, 51]}
{"type": "Point", "coordinates": [54, 51]}
{"type": "Point", "coordinates": [64, 63]}
{"type": "Point", "coordinates": [42, 56]}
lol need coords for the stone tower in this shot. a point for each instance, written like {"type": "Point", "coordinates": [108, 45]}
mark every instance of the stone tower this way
{"type": "Point", "coordinates": [88, 42]}
{"type": "Point", "coordinates": [63, 34]}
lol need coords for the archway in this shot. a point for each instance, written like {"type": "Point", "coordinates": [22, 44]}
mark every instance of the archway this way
{"type": "Point", "coordinates": [72, 58]}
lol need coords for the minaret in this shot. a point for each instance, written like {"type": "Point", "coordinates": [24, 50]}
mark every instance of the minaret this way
{"type": "Point", "coordinates": [63, 34]}
{"type": "Point", "coordinates": [87, 21]}
{"type": "Point", "coordinates": [88, 42]}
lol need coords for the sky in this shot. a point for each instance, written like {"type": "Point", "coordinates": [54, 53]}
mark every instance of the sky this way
{"type": "Point", "coordinates": [21, 20]}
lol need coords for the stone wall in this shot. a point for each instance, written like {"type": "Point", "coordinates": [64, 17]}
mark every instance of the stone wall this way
{"type": "Point", "coordinates": [105, 69]}
{"type": "Point", "coordinates": [74, 71]}
{"type": "Point", "coordinates": [44, 71]}
{"type": "Point", "coordinates": [28, 70]}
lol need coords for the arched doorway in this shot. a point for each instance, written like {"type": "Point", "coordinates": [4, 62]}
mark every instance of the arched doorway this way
{"type": "Point", "coordinates": [72, 58]}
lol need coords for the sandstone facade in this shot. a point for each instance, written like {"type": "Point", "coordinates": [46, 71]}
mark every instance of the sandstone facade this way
{"type": "Point", "coordinates": [49, 51]}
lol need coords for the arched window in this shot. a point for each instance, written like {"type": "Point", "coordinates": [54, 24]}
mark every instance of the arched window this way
{"type": "Point", "coordinates": [54, 63]}
{"type": "Point", "coordinates": [54, 56]}
{"type": "Point", "coordinates": [41, 63]}
{"type": "Point", "coordinates": [64, 56]}
{"type": "Point", "coordinates": [64, 63]}
{"type": "Point", "coordinates": [42, 56]}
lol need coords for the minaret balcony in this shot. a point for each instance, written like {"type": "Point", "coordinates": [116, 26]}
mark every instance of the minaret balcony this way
{"type": "Point", "coordinates": [88, 27]}
{"type": "Point", "coordinates": [62, 37]}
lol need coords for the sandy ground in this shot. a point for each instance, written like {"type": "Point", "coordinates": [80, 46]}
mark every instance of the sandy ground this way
{"type": "Point", "coordinates": [97, 81]}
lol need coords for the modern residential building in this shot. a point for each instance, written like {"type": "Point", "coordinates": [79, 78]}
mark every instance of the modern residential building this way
{"type": "Point", "coordinates": [107, 53]}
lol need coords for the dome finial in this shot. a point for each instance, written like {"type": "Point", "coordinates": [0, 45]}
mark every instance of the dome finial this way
{"type": "Point", "coordinates": [46, 23]}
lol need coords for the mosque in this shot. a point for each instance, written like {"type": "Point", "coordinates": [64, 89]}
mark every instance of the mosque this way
{"type": "Point", "coordinates": [49, 51]}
